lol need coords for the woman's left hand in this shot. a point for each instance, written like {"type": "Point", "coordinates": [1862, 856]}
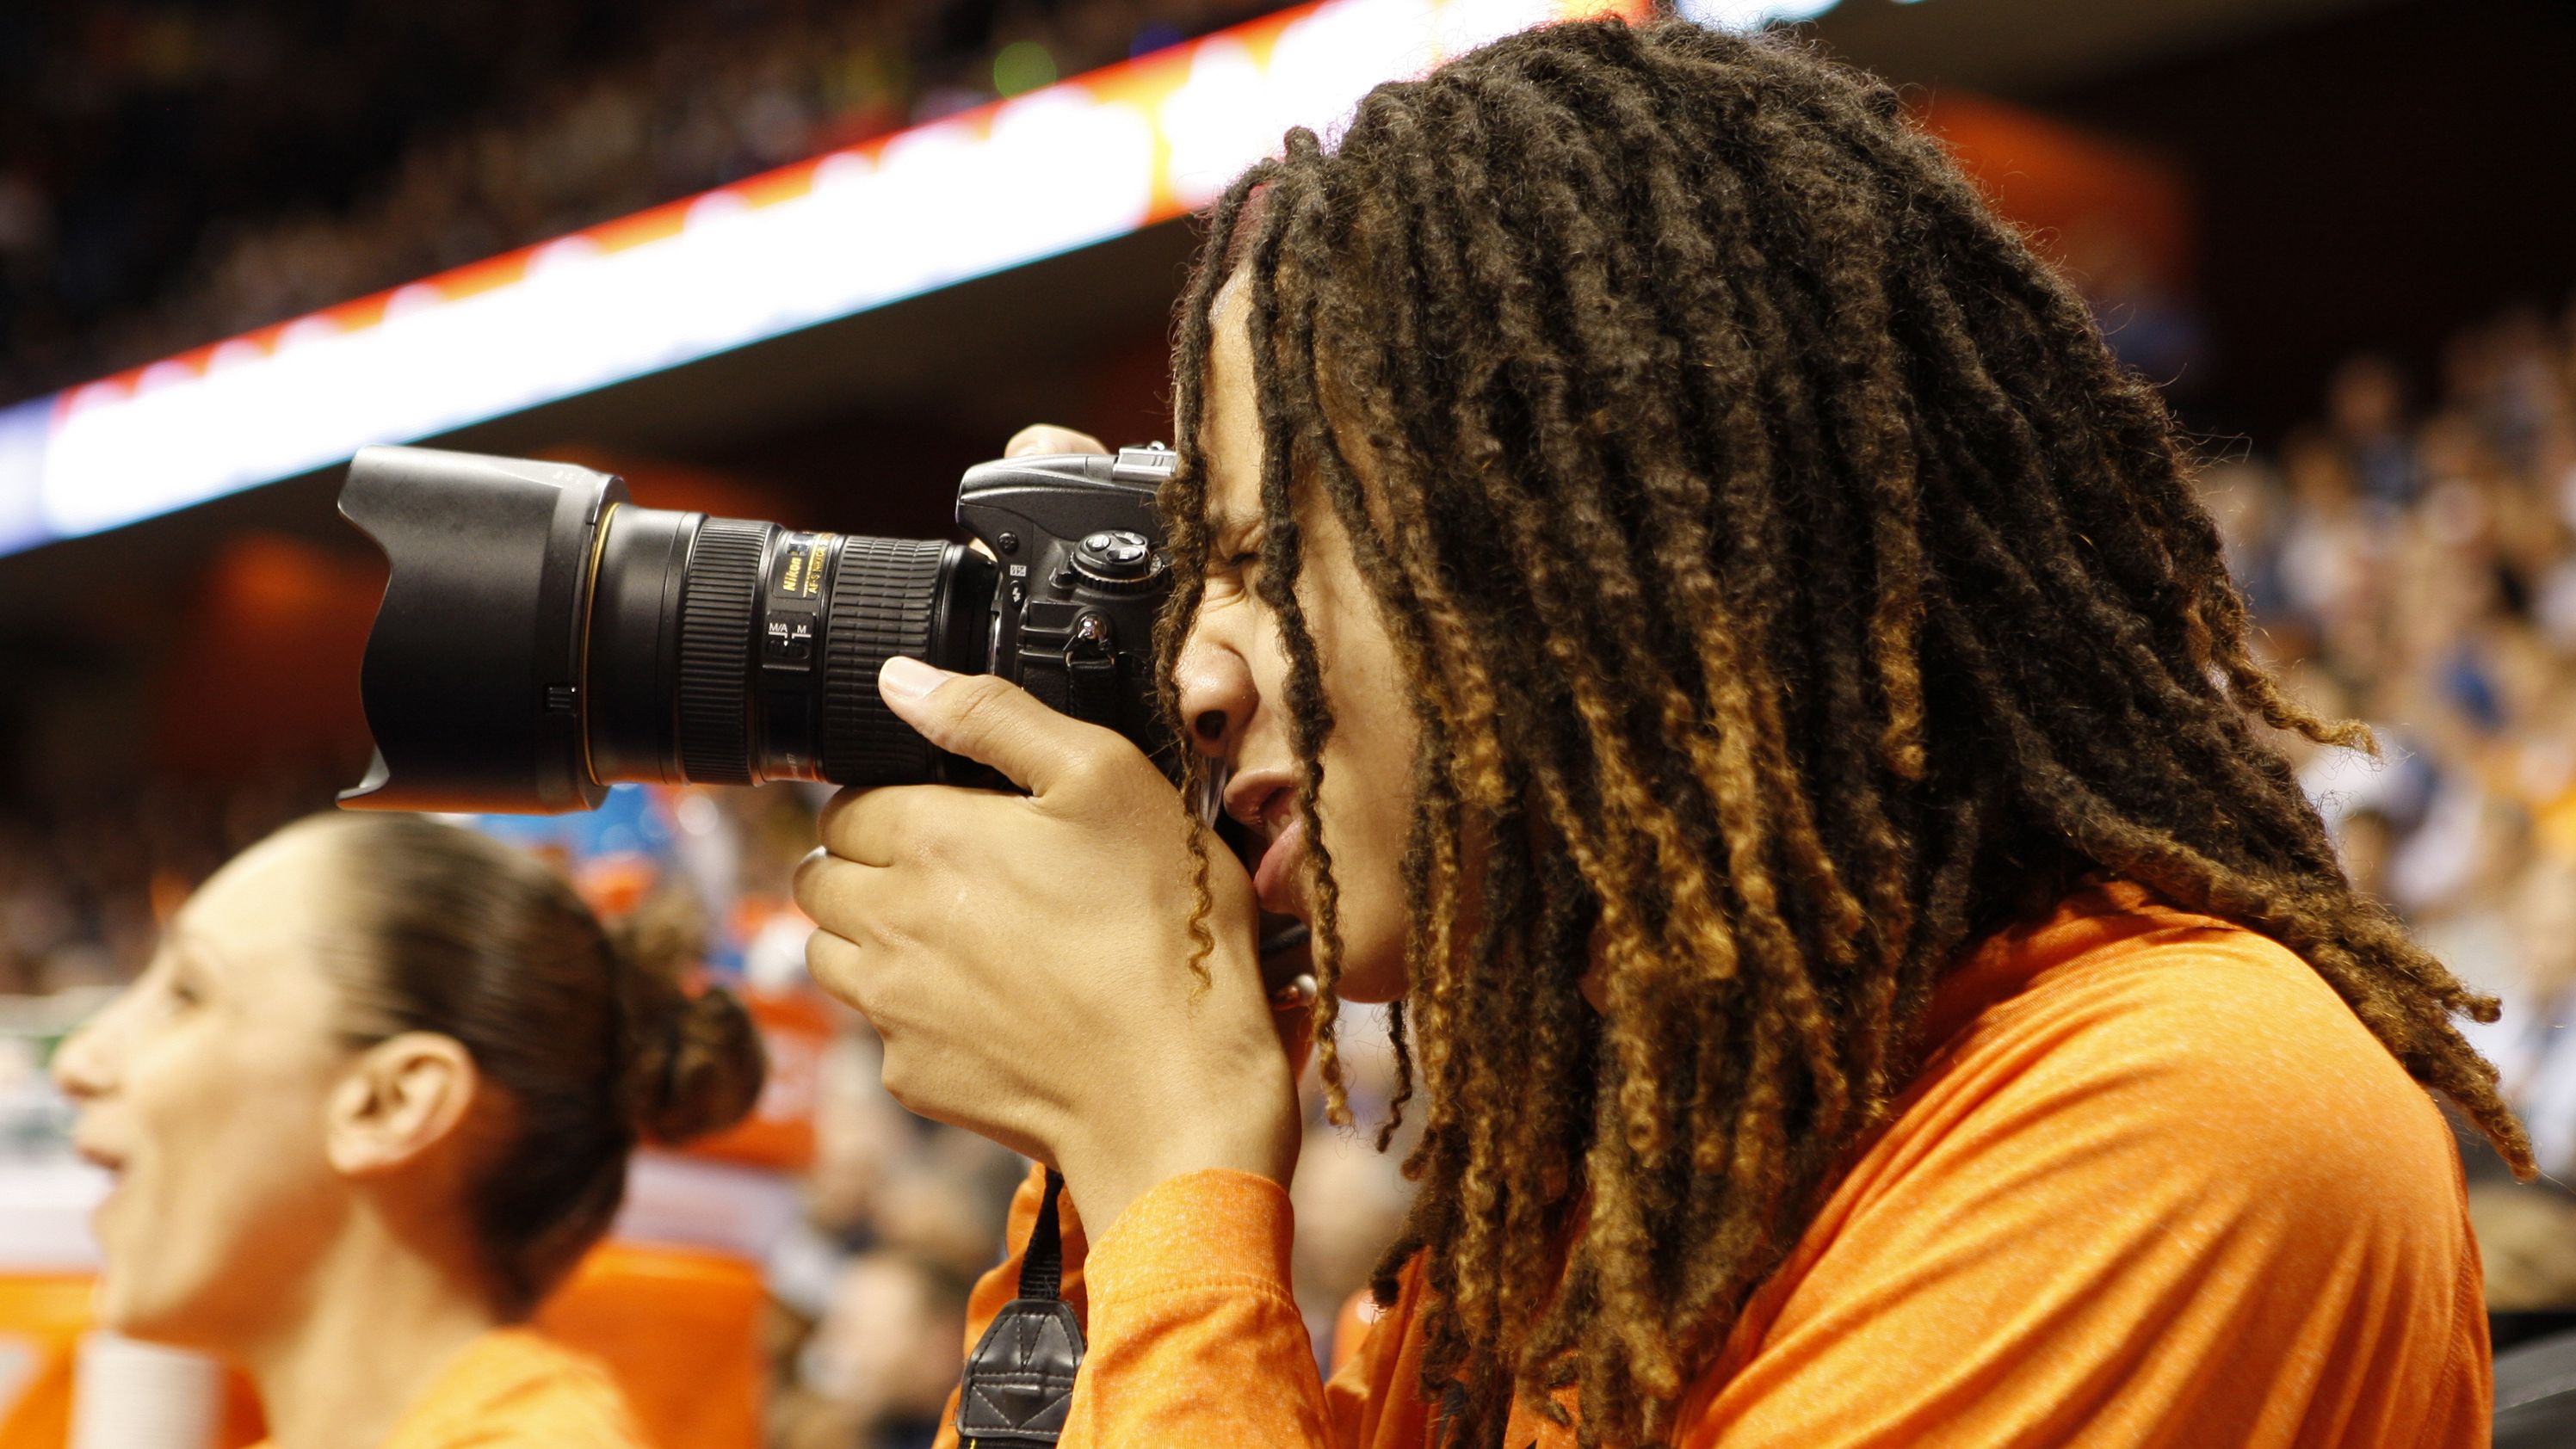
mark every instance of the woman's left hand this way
{"type": "Point", "coordinates": [1026, 957]}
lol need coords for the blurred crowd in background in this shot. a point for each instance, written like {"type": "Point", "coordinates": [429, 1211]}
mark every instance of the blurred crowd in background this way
{"type": "Point", "coordinates": [2413, 564]}
{"type": "Point", "coordinates": [2411, 557]}
{"type": "Point", "coordinates": [235, 164]}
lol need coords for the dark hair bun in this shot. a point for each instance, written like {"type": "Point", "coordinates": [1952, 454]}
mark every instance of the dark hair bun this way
{"type": "Point", "coordinates": [705, 1072]}
{"type": "Point", "coordinates": [694, 1061]}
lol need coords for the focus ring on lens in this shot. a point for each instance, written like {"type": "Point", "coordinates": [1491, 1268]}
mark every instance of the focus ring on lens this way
{"type": "Point", "coordinates": [717, 601]}
{"type": "Point", "coordinates": [885, 595]}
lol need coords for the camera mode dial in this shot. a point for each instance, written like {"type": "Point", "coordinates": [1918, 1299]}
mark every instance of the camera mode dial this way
{"type": "Point", "coordinates": [1117, 561]}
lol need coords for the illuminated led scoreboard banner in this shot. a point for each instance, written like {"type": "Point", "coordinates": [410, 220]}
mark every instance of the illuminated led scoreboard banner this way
{"type": "Point", "coordinates": [1133, 144]}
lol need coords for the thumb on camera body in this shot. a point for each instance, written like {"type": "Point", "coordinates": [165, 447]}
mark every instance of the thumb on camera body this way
{"type": "Point", "coordinates": [993, 722]}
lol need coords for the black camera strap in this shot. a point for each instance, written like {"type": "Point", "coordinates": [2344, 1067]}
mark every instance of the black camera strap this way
{"type": "Point", "coordinates": [1018, 1386]}
{"type": "Point", "coordinates": [1019, 1380]}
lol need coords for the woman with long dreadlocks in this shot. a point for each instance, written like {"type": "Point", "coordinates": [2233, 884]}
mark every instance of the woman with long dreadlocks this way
{"type": "Point", "coordinates": [1702, 625]}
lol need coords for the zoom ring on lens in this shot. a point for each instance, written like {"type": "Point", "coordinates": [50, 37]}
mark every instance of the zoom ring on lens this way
{"type": "Point", "coordinates": [884, 599]}
{"type": "Point", "coordinates": [718, 598]}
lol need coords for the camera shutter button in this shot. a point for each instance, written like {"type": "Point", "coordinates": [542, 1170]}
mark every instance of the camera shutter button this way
{"type": "Point", "coordinates": [1116, 560]}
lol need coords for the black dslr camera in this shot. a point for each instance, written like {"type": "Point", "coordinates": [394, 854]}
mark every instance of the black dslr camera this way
{"type": "Point", "coordinates": [543, 638]}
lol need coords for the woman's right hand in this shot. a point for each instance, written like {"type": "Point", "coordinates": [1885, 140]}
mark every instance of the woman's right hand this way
{"type": "Point", "coordinates": [1040, 438]}
{"type": "Point", "coordinates": [946, 919]}
{"type": "Point", "coordinates": [1288, 976]}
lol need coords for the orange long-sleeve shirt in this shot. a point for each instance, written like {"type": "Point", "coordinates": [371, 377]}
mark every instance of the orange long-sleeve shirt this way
{"type": "Point", "coordinates": [2155, 1185]}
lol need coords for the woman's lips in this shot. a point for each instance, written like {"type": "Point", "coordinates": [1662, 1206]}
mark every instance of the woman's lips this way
{"type": "Point", "coordinates": [1275, 882]}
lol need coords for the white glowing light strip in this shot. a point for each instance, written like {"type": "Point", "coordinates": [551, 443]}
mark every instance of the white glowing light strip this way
{"type": "Point", "coordinates": [1119, 149]}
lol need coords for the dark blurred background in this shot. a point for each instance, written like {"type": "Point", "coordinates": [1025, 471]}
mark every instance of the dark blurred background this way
{"type": "Point", "coordinates": [2338, 232]}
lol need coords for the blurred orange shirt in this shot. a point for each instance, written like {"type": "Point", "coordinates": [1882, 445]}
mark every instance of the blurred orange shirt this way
{"type": "Point", "coordinates": [2155, 1185]}
{"type": "Point", "coordinates": [514, 1389]}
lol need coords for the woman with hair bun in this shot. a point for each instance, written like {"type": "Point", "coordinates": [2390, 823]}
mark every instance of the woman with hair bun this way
{"type": "Point", "coordinates": [370, 1102]}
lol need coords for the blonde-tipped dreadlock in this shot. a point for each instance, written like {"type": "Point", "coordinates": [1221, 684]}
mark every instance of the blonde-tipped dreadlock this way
{"type": "Point", "coordinates": [1796, 590]}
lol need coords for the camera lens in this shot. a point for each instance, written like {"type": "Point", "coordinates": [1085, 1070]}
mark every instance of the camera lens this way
{"type": "Point", "coordinates": [893, 596]}
{"type": "Point", "coordinates": [543, 637]}
{"type": "Point", "coordinates": [726, 651]}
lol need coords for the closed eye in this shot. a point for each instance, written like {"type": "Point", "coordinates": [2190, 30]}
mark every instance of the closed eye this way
{"type": "Point", "coordinates": [1234, 543]}
{"type": "Point", "coordinates": [1233, 564]}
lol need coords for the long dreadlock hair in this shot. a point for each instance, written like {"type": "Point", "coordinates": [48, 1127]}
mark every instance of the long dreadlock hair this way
{"type": "Point", "coordinates": [1796, 590]}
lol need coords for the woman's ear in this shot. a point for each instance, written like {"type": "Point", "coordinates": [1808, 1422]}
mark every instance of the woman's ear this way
{"type": "Point", "coordinates": [400, 1099]}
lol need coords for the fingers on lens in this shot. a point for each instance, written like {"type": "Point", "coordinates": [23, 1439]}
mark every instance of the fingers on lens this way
{"type": "Point", "coordinates": [833, 961]}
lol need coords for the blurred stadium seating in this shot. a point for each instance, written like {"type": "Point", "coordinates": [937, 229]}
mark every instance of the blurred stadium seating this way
{"type": "Point", "coordinates": [247, 162]}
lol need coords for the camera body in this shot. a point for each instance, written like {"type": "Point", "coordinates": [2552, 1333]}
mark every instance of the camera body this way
{"type": "Point", "coordinates": [543, 637]}
{"type": "Point", "coordinates": [1081, 578]}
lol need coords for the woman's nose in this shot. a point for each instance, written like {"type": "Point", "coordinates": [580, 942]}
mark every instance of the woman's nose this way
{"type": "Point", "coordinates": [1216, 694]}
{"type": "Point", "coordinates": [80, 1066]}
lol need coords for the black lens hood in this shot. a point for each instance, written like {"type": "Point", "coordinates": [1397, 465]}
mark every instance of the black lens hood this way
{"type": "Point", "coordinates": [473, 673]}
